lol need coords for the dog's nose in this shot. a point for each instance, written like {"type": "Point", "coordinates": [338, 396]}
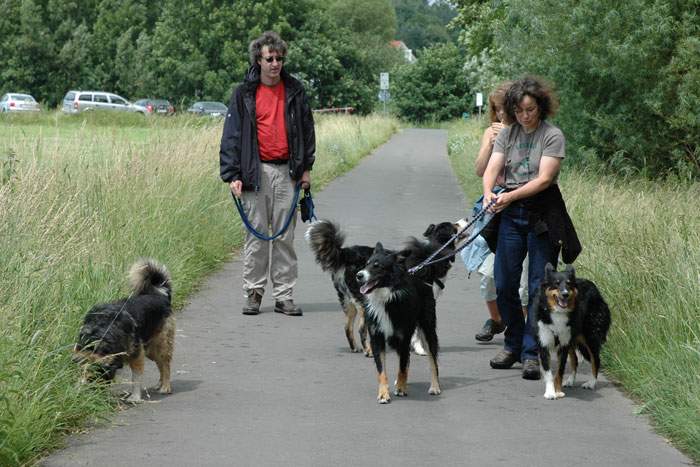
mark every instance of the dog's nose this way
{"type": "Point", "coordinates": [360, 276]}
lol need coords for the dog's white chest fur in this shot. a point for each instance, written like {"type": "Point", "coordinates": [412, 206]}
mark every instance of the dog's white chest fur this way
{"type": "Point", "coordinates": [376, 307]}
{"type": "Point", "coordinates": [559, 328]}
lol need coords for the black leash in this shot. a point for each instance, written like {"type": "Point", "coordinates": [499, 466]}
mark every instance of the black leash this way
{"type": "Point", "coordinates": [431, 259]}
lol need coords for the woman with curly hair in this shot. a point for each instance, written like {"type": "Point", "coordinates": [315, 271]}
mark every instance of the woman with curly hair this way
{"type": "Point", "coordinates": [532, 216]}
{"type": "Point", "coordinates": [477, 257]}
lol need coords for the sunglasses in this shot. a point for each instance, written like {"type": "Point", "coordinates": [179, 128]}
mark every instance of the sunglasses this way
{"type": "Point", "coordinates": [277, 59]}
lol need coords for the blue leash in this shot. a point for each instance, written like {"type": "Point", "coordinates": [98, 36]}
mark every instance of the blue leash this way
{"type": "Point", "coordinates": [259, 235]}
{"type": "Point", "coordinates": [306, 207]}
{"type": "Point", "coordinates": [430, 259]}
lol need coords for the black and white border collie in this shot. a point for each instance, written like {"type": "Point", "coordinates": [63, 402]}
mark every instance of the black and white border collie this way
{"type": "Point", "coordinates": [571, 315]}
{"type": "Point", "coordinates": [397, 303]}
{"type": "Point", "coordinates": [326, 241]}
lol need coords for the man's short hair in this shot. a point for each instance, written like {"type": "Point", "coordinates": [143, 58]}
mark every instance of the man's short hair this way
{"type": "Point", "coordinates": [272, 40]}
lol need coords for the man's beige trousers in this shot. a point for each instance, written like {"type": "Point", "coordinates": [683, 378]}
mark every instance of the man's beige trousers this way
{"type": "Point", "coordinates": [267, 211]}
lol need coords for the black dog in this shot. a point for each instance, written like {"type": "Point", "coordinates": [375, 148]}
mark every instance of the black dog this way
{"type": "Point", "coordinates": [326, 241]}
{"type": "Point", "coordinates": [571, 315]}
{"type": "Point", "coordinates": [130, 329]}
{"type": "Point", "coordinates": [396, 304]}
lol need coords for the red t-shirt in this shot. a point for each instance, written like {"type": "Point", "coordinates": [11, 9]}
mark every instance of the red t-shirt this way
{"type": "Point", "coordinates": [269, 116]}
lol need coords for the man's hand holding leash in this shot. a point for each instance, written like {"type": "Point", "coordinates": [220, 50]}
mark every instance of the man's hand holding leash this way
{"type": "Point", "coordinates": [236, 188]}
{"type": "Point", "coordinates": [305, 180]}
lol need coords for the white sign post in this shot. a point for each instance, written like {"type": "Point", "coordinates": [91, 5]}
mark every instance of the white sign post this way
{"type": "Point", "coordinates": [384, 88]}
{"type": "Point", "coordinates": [479, 101]}
{"type": "Point", "coordinates": [384, 81]}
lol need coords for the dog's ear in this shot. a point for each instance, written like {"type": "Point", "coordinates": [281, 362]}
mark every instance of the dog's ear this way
{"type": "Point", "coordinates": [571, 271]}
{"type": "Point", "coordinates": [548, 270]}
{"type": "Point", "coordinates": [402, 256]}
{"type": "Point", "coordinates": [429, 230]}
{"type": "Point", "coordinates": [378, 247]}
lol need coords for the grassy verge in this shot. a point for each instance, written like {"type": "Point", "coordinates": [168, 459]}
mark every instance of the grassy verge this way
{"type": "Point", "coordinates": [80, 200]}
{"type": "Point", "coordinates": [641, 245]}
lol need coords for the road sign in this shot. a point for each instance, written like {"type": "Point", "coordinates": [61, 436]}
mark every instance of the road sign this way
{"type": "Point", "coordinates": [479, 99]}
{"type": "Point", "coordinates": [383, 81]}
{"type": "Point", "coordinates": [384, 95]}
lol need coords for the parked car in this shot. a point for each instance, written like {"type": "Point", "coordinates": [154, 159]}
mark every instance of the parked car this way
{"type": "Point", "coordinates": [154, 106]}
{"type": "Point", "coordinates": [212, 109]}
{"type": "Point", "coordinates": [80, 101]}
{"type": "Point", "coordinates": [16, 102]}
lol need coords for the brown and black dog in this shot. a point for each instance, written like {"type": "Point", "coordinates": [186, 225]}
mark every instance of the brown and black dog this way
{"type": "Point", "coordinates": [571, 315]}
{"type": "Point", "coordinates": [128, 330]}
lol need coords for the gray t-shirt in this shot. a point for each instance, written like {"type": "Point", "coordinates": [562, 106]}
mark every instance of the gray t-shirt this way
{"type": "Point", "coordinates": [523, 151]}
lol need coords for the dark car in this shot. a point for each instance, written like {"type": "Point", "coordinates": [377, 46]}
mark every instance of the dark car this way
{"type": "Point", "coordinates": [154, 107]}
{"type": "Point", "coordinates": [211, 109]}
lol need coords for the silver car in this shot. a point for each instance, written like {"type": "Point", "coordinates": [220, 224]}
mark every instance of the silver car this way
{"type": "Point", "coordinates": [208, 108]}
{"type": "Point", "coordinates": [80, 101]}
{"type": "Point", "coordinates": [15, 102]}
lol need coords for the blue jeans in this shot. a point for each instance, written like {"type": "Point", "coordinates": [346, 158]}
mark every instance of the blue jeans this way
{"type": "Point", "coordinates": [516, 238]}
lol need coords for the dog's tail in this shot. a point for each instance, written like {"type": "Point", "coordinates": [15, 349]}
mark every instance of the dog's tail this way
{"type": "Point", "coordinates": [148, 276]}
{"type": "Point", "coordinates": [326, 241]}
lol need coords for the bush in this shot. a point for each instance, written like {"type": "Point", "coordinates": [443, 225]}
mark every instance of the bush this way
{"type": "Point", "coordinates": [627, 75]}
{"type": "Point", "coordinates": [433, 88]}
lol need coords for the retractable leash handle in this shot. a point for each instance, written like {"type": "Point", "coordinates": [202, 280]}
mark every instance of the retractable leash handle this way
{"type": "Point", "coordinates": [306, 207]}
{"type": "Point", "coordinates": [431, 259]}
{"type": "Point", "coordinates": [251, 229]}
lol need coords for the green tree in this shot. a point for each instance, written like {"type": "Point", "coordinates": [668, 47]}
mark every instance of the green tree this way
{"type": "Point", "coordinates": [366, 17]}
{"type": "Point", "coordinates": [433, 88]}
{"type": "Point", "coordinates": [113, 41]}
{"type": "Point", "coordinates": [626, 73]}
{"type": "Point", "coordinates": [422, 23]}
{"type": "Point", "coordinates": [340, 66]}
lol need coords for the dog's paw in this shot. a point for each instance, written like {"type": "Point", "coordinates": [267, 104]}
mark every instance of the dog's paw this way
{"type": "Point", "coordinates": [383, 396]}
{"type": "Point", "coordinates": [569, 381]}
{"type": "Point", "coordinates": [552, 395]}
{"type": "Point", "coordinates": [434, 390]}
{"type": "Point", "coordinates": [368, 354]}
{"type": "Point", "coordinates": [134, 399]}
{"type": "Point", "coordinates": [354, 350]}
{"type": "Point", "coordinates": [400, 390]}
{"type": "Point", "coordinates": [164, 389]}
{"type": "Point", "coordinates": [589, 384]}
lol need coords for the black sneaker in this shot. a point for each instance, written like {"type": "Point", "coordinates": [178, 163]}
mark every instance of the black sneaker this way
{"type": "Point", "coordinates": [252, 306]}
{"type": "Point", "coordinates": [531, 369]}
{"type": "Point", "coordinates": [490, 329]}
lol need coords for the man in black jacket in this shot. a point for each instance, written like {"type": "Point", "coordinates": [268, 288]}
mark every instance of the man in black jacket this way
{"type": "Point", "coordinates": [267, 148]}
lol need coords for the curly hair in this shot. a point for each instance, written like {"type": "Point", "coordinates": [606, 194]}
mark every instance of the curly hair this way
{"type": "Point", "coordinates": [538, 89]}
{"type": "Point", "coordinates": [272, 40]}
{"type": "Point", "coordinates": [497, 98]}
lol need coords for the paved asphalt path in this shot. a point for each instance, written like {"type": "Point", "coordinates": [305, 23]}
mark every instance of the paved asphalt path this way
{"type": "Point", "coordinates": [278, 390]}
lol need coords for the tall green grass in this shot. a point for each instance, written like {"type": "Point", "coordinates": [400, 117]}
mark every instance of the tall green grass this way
{"type": "Point", "coordinates": [80, 200]}
{"type": "Point", "coordinates": [641, 245]}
